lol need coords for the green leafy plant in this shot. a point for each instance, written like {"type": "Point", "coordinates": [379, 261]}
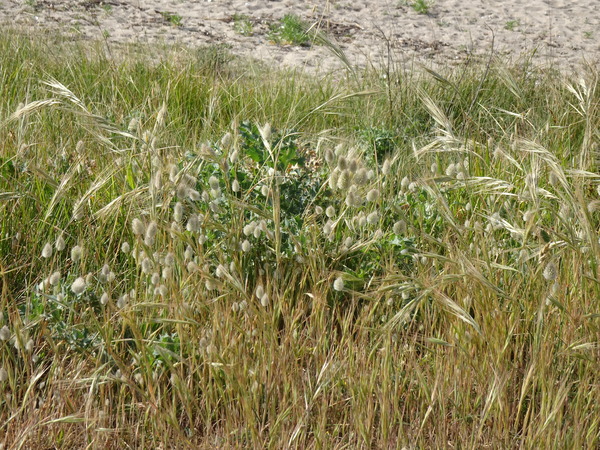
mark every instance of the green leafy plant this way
{"type": "Point", "coordinates": [511, 25]}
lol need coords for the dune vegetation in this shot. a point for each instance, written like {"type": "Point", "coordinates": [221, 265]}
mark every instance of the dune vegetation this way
{"type": "Point", "coordinates": [202, 252]}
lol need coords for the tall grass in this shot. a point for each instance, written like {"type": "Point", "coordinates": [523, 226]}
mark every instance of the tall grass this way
{"type": "Point", "coordinates": [195, 254]}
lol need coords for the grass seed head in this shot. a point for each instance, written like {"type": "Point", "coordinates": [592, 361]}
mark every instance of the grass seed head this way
{"type": "Point", "coordinates": [76, 253]}
{"type": "Point", "coordinates": [4, 333]}
{"type": "Point", "coordinates": [47, 251]}
{"type": "Point", "coordinates": [78, 286]}
{"type": "Point", "coordinates": [60, 243]}
{"type": "Point", "coordinates": [138, 227]}
{"type": "Point", "coordinates": [338, 284]}
{"type": "Point", "coordinates": [550, 272]}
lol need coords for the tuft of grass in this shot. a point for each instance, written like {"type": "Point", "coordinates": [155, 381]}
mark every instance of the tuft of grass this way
{"type": "Point", "coordinates": [242, 25]}
{"type": "Point", "coordinates": [422, 6]}
{"type": "Point", "coordinates": [173, 19]}
{"type": "Point", "coordinates": [511, 25]}
{"type": "Point", "coordinates": [291, 30]}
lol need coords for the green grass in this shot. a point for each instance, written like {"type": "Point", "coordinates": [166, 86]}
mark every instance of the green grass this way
{"type": "Point", "coordinates": [291, 30]}
{"type": "Point", "coordinates": [242, 25]}
{"type": "Point", "coordinates": [262, 259]}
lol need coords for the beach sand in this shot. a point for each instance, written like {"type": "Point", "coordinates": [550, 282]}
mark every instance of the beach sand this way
{"type": "Point", "coordinates": [558, 33]}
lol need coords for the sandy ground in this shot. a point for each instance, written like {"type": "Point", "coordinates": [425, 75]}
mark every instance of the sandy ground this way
{"type": "Point", "coordinates": [562, 33]}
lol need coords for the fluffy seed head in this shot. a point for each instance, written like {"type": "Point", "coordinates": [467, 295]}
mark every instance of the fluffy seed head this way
{"type": "Point", "coordinates": [104, 299]}
{"type": "Point", "coordinates": [60, 243]}
{"type": "Point", "coordinates": [235, 186]}
{"type": "Point", "coordinates": [260, 291]}
{"type": "Point", "coordinates": [178, 212]}
{"type": "Point", "coordinates": [78, 286]}
{"type": "Point", "coordinates": [399, 227]}
{"type": "Point", "coordinates": [338, 284]}
{"type": "Point", "coordinates": [372, 195]}
{"type": "Point", "coordinates": [3, 375]}
{"type": "Point", "coordinates": [373, 218]}
{"type": "Point", "coordinates": [47, 250]}
{"type": "Point", "coordinates": [125, 247]}
{"type": "Point", "coordinates": [264, 300]}
{"type": "Point", "coordinates": [246, 245]}
{"type": "Point", "coordinates": [342, 163]}
{"type": "Point", "coordinates": [550, 271]}
{"type": "Point", "coordinates": [76, 253]}
{"type": "Point", "coordinates": [329, 157]}
{"type": "Point", "coordinates": [4, 333]}
{"type": "Point", "coordinates": [151, 234]}
{"type": "Point", "coordinates": [330, 211]}
{"type": "Point", "coordinates": [137, 227]}
{"type": "Point", "coordinates": [54, 278]}
{"type": "Point", "coordinates": [387, 165]}
{"type": "Point", "coordinates": [343, 181]}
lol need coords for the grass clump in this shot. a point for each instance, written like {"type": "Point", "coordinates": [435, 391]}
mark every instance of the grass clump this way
{"type": "Point", "coordinates": [188, 249]}
{"type": "Point", "coordinates": [290, 30]}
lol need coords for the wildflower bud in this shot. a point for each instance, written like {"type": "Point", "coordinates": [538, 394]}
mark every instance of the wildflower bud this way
{"type": "Point", "coordinates": [76, 253]}
{"type": "Point", "coordinates": [60, 244]}
{"type": "Point", "coordinates": [338, 284]}
{"type": "Point", "coordinates": [78, 286]}
{"type": "Point", "coordinates": [47, 251]}
{"type": "Point", "coordinates": [137, 226]}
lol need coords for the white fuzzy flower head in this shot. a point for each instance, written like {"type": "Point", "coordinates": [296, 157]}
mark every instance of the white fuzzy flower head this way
{"type": "Point", "coordinates": [4, 333]}
{"type": "Point", "coordinates": [343, 181]}
{"type": "Point", "coordinates": [405, 182]}
{"type": "Point", "coordinates": [330, 211]}
{"type": "Point", "coordinates": [550, 272]}
{"type": "Point", "coordinates": [125, 247]}
{"type": "Point", "coordinates": [338, 284]}
{"type": "Point", "coordinates": [3, 375]}
{"type": "Point", "coordinates": [213, 182]}
{"type": "Point", "coordinates": [122, 301]}
{"type": "Point", "coordinates": [78, 286]}
{"type": "Point", "coordinates": [235, 186]}
{"type": "Point", "coordinates": [246, 246]}
{"type": "Point", "coordinates": [373, 218]}
{"type": "Point", "coordinates": [138, 227]}
{"type": "Point", "coordinates": [372, 195]}
{"type": "Point", "coordinates": [76, 253]}
{"type": "Point", "coordinates": [47, 250]}
{"type": "Point", "coordinates": [60, 244]}
{"type": "Point", "coordinates": [104, 299]}
{"type": "Point", "coordinates": [151, 234]}
{"type": "Point", "coordinates": [178, 212]}
{"type": "Point", "coordinates": [54, 278]}
{"type": "Point", "coordinates": [264, 190]}
{"type": "Point", "coordinates": [193, 224]}
{"type": "Point", "coordinates": [387, 165]}
{"type": "Point", "coordinates": [260, 291]}
{"type": "Point", "coordinates": [264, 300]}
{"type": "Point", "coordinates": [399, 227]}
